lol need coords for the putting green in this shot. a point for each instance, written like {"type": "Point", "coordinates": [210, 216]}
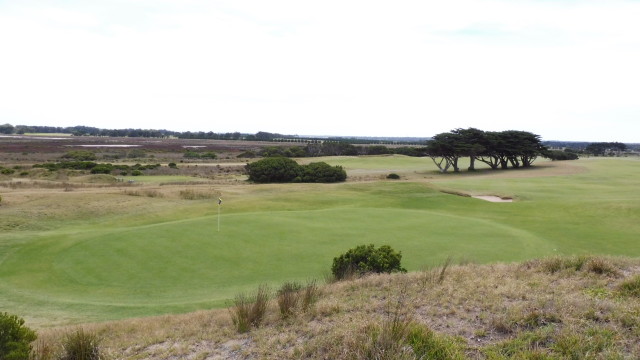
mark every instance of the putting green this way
{"type": "Point", "coordinates": [186, 263]}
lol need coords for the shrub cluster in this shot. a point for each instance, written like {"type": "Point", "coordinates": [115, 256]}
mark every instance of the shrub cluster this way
{"type": "Point", "coordinates": [189, 154]}
{"type": "Point", "coordinates": [79, 155]}
{"type": "Point", "coordinates": [555, 155]}
{"type": "Point", "coordinates": [6, 171]}
{"type": "Point", "coordinates": [367, 259]}
{"type": "Point", "coordinates": [96, 168]}
{"type": "Point", "coordinates": [282, 170]}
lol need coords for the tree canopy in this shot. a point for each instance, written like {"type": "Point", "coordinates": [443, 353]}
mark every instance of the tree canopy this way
{"type": "Point", "coordinates": [496, 149]}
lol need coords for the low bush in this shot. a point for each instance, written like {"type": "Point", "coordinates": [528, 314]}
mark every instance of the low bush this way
{"type": "Point", "coordinates": [200, 155]}
{"type": "Point", "coordinates": [80, 155]}
{"type": "Point", "coordinates": [321, 172]}
{"type": "Point", "coordinates": [393, 176]}
{"type": "Point", "coordinates": [367, 259]}
{"type": "Point", "coordinates": [273, 170]}
{"type": "Point", "coordinates": [283, 170]}
{"type": "Point", "coordinates": [15, 338]}
{"type": "Point", "coordinates": [555, 155]}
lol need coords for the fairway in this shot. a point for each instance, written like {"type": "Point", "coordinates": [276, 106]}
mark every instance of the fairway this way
{"type": "Point", "coordinates": [176, 261]}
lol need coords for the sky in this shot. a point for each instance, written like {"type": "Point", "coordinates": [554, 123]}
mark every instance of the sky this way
{"type": "Point", "coordinates": [562, 69]}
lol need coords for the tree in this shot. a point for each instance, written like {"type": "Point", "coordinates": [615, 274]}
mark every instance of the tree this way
{"type": "Point", "coordinates": [6, 129]}
{"type": "Point", "coordinates": [15, 338]}
{"type": "Point", "coordinates": [490, 154]}
{"type": "Point", "coordinates": [367, 259]}
{"type": "Point", "coordinates": [471, 143]}
{"type": "Point", "coordinates": [445, 148]}
{"type": "Point", "coordinates": [603, 148]}
{"type": "Point", "coordinates": [525, 147]}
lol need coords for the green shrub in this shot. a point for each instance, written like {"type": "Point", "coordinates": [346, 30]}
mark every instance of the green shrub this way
{"type": "Point", "coordinates": [136, 173]}
{"type": "Point", "coordinates": [282, 170]}
{"type": "Point", "coordinates": [274, 170]}
{"type": "Point", "coordinates": [190, 154]}
{"type": "Point", "coordinates": [173, 165]}
{"type": "Point", "coordinates": [559, 155]}
{"type": "Point", "coordinates": [393, 176]}
{"type": "Point", "coordinates": [321, 172]}
{"type": "Point", "coordinates": [80, 155]}
{"type": "Point", "coordinates": [15, 338]}
{"type": "Point", "coordinates": [81, 345]}
{"type": "Point", "coordinates": [102, 169]}
{"type": "Point", "coordinates": [367, 259]}
{"type": "Point", "coordinates": [7, 171]}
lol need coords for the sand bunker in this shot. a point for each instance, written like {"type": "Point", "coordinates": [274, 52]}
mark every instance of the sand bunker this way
{"type": "Point", "coordinates": [492, 198]}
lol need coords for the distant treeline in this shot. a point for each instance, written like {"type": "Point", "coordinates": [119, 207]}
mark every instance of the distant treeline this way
{"type": "Point", "coordinates": [332, 148]}
{"type": "Point", "coordinates": [150, 133]}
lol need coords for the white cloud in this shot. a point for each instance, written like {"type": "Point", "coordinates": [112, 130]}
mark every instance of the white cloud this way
{"type": "Point", "coordinates": [348, 67]}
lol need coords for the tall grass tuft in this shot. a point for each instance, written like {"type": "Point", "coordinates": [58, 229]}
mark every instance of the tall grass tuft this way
{"type": "Point", "coordinates": [288, 298]}
{"type": "Point", "coordinates": [426, 344]}
{"type": "Point", "coordinates": [190, 194]}
{"type": "Point", "coordinates": [601, 266]}
{"type": "Point", "coordinates": [249, 311]}
{"type": "Point", "coordinates": [387, 341]}
{"type": "Point", "coordinates": [310, 295]}
{"type": "Point", "coordinates": [42, 350]}
{"type": "Point", "coordinates": [630, 287]}
{"type": "Point", "coordinates": [81, 345]}
{"type": "Point", "coordinates": [435, 275]}
{"type": "Point", "coordinates": [293, 296]}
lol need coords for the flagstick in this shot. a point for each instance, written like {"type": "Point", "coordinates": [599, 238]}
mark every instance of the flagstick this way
{"type": "Point", "coordinates": [219, 206]}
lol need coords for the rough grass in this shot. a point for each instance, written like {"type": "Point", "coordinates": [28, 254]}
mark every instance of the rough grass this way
{"type": "Point", "coordinates": [498, 311]}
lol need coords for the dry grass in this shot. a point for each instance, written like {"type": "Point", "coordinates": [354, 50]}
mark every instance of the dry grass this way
{"type": "Point", "coordinates": [494, 311]}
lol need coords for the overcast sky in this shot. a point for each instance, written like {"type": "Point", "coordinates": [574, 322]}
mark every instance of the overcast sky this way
{"type": "Point", "coordinates": [563, 69]}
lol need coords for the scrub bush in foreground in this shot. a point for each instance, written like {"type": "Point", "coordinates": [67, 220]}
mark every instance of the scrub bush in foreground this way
{"type": "Point", "coordinates": [367, 259]}
{"type": "Point", "coordinates": [15, 338]}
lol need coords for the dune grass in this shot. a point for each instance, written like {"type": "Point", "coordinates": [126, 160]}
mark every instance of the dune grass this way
{"type": "Point", "coordinates": [112, 256]}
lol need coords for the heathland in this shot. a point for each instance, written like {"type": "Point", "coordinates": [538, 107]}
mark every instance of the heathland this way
{"type": "Point", "coordinates": [78, 248]}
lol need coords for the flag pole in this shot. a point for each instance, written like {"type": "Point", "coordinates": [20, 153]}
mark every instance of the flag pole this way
{"type": "Point", "coordinates": [219, 206]}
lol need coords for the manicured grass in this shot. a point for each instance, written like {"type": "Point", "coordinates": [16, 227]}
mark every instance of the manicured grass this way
{"type": "Point", "coordinates": [173, 259]}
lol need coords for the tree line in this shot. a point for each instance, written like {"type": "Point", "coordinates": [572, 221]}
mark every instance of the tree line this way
{"type": "Point", "coordinates": [208, 135]}
{"type": "Point", "coordinates": [503, 149]}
